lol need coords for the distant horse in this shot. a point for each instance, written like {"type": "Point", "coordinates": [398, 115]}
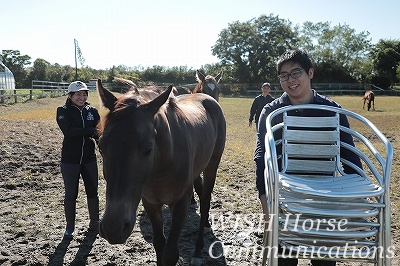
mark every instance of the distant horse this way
{"type": "Point", "coordinates": [208, 84]}
{"type": "Point", "coordinates": [153, 147]}
{"type": "Point", "coordinates": [369, 97]}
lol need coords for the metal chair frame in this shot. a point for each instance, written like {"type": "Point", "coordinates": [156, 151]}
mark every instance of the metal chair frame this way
{"type": "Point", "coordinates": [311, 187]}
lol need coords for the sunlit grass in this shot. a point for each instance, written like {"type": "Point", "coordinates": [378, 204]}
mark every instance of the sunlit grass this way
{"type": "Point", "coordinates": [32, 115]}
{"type": "Point", "coordinates": [385, 116]}
{"type": "Point", "coordinates": [42, 108]}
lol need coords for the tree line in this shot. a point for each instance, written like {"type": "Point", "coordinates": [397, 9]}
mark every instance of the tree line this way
{"type": "Point", "coordinates": [248, 52]}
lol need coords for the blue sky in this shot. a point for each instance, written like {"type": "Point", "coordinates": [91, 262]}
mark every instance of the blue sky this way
{"type": "Point", "coordinates": [165, 33]}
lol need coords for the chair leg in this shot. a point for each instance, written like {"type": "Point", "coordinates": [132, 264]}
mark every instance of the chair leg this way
{"type": "Point", "coordinates": [265, 244]}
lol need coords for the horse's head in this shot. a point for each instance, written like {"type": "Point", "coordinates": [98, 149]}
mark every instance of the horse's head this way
{"type": "Point", "coordinates": [128, 147]}
{"type": "Point", "coordinates": [208, 84]}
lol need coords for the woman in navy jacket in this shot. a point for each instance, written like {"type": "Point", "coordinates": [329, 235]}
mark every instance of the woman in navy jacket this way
{"type": "Point", "coordinates": [77, 121]}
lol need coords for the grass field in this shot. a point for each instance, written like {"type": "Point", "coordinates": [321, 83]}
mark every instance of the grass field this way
{"type": "Point", "coordinates": [241, 138]}
{"type": "Point", "coordinates": [236, 173]}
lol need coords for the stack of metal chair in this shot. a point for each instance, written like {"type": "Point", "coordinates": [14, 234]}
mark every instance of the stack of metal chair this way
{"type": "Point", "coordinates": [317, 211]}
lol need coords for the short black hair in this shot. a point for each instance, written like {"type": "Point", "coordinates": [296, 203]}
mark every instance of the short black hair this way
{"type": "Point", "coordinates": [297, 56]}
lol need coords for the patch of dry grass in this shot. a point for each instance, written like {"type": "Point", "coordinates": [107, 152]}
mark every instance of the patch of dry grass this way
{"type": "Point", "coordinates": [237, 159]}
{"type": "Point", "coordinates": [236, 174]}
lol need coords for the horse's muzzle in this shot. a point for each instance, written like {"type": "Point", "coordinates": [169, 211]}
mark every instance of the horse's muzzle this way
{"type": "Point", "coordinates": [115, 234]}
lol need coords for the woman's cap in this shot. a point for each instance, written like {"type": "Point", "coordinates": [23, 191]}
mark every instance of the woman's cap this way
{"type": "Point", "coordinates": [266, 84]}
{"type": "Point", "coordinates": [77, 86]}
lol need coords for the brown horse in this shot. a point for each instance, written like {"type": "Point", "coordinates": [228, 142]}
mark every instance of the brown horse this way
{"type": "Point", "coordinates": [369, 97]}
{"type": "Point", "coordinates": [208, 84]}
{"type": "Point", "coordinates": [153, 147]}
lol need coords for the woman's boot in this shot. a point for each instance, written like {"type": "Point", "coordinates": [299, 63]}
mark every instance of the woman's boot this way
{"type": "Point", "coordinates": [69, 209]}
{"type": "Point", "coordinates": [93, 206]}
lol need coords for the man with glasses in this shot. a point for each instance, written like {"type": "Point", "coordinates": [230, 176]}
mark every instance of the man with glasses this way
{"type": "Point", "coordinates": [259, 102]}
{"type": "Point", "coordinates": [295, 71]}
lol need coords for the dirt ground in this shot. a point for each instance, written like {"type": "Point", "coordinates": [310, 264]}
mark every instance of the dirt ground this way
{"type": "Point", "coordinates": [32, 218]}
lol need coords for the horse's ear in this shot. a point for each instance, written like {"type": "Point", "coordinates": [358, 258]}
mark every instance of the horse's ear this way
{"type": "Point", "coordinates": [107, 98]}
{"type": "Point", "coordinates": [200, 76]}
{"type": "Point", "coordinates": [219, 76]}
{"type": "Point", "coordinates": [155, 104]}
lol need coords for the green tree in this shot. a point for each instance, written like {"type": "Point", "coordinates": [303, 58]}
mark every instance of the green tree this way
{"type": "Point", "coordinates": [251, 48]}
{"type": "Point", "coordinates": [69, 73]}
{"type": "Point", "coordinates": [39, 70]}
{"type": "Point", "coordinates": [56, 72]}
{"type": "Point", "coordinates": [385, 60]}
{"type": "Point", "coordinates": [274, 36]}
{"type": "Point", "coordinates": [340, 47]}
{"type": "Point", "coordinates": [17, 64]}
{"type": "Point", "coordinates": [398, 72]}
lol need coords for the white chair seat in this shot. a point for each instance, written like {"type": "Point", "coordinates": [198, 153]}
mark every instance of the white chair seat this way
{"type": "Point", "coordinates": [330, 210]}
{"type": "Point", "coordinates": [350, 186]}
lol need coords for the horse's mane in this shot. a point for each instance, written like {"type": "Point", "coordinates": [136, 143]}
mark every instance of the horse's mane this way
{"type": "Point", "coordinates": [128, 82]}
{"type": "Point", "coordinates": [198, 88]}
{"type": "Point", "coordinates": [129, 102]}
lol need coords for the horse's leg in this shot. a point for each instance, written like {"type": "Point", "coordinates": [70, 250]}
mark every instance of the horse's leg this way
{"type": "Point", "coordinates": [179, 213]}
{"type": "Point", "coordinates": [193, 200]}
{"type": "Point", "coordinates": [198, 186]}
{"type": "Point", "coordinates": [209, 176]}
{"type": "Point", "coordinates": [155, 215]}
{"type": "Point", "coordinates": [364, 101]}
{"type": "Point", "coordinates": [373, 102]}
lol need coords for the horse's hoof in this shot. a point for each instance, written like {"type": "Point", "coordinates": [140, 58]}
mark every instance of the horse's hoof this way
{"type": "Point", "coordinates": [180, 262]}
{"type": "Point", "coordinates": [207, 224]}
{"type": "Point", "coordinates": [197, 261]}
{"type": "Point", "coordinates": [207, 230]}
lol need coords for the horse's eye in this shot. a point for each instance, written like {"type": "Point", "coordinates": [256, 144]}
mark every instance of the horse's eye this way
{"type": "Point", "coordinates": [148, 151]}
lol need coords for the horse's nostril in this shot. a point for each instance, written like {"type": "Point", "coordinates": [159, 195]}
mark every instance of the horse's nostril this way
{"type": "Point", "coordinates": [101, 232]}
{"type": "Point", "coordinates": [126, 230]}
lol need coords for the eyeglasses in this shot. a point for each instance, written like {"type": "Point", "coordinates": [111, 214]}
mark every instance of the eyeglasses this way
{"type": "Point", "coordinates": [294, 74]}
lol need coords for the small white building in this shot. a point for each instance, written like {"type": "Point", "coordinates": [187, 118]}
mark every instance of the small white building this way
{"type": "Point", "coordinates": [7, 81]}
